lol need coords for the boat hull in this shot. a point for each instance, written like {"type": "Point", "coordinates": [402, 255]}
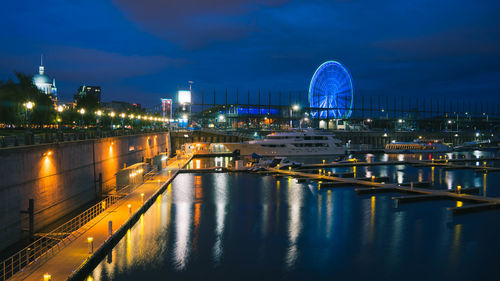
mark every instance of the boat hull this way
{"type": "Point", "coordinates": [287, 150]}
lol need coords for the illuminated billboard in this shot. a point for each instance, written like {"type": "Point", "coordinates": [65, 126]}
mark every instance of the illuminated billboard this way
{"type": "Point", "coordinates": [184, 97]}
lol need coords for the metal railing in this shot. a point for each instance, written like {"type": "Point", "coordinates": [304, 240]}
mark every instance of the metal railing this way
{"type": "Point", "coordinates": [53, 241]}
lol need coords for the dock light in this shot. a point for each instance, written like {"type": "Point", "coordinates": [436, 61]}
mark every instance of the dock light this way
{"type": "Point", "coordinates": [319, 171]}
{"type": "Point", "coordinates": [323, 161]}
{"type": "Point", "coordinates": [82, 111]}
{"type": "Point", "coordinates": [90, 240]}
{"type": "Point", "coordinates": [373, 178]}
{"type": "Point", "coordinates": [142, 197]}
{"type": "Point", "coordinates": [459, 187]}
{"type": "Point", "coordinates": [289, 168]}
{"type": "Point", "coordinates": [329, 173]}
{"type": "Point", "coordinates": [60, 108]}
{"type": "Point", "coordinates": [29, 105]}
{"type": "Point", "coordinates": [129, 209]}
{"type": "Point", "coordinates": [484, 163]}
{"type": "Point", "coordinates": [47, 277]}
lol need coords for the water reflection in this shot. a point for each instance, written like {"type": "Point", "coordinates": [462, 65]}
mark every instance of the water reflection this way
{"type": "Point", "coordinates": [231, 227]}
{"type": "Point", "coordinates": [294, 198]}
{"type": "Point", "coordinates": [221, 198]}
{"type": "Point", "coordinates": [183, 216]}
{"type": "Point", "coordinates": [183, 198]}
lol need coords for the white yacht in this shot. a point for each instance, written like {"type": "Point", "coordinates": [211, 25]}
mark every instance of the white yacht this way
{"type": "Point", "coordinates": [300, 143]}
{"type": "Point", "coordinates": [417, 146]}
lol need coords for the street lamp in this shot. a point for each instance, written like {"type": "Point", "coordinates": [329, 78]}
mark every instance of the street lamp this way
{"type": "Point", "coordinates": [294, 107]}
{"type": "Point", "coordinates": [112, 114]}
{"type": "Point", "coordinates": [122, 116]}
{"type": "Point", "coordinates": [82, 112]}
{"type": "Point", "coordinates": [29, 106]}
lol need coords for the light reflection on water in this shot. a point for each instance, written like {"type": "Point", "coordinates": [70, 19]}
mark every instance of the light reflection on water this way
{"type": "Point", "coordinates": [244, 226]}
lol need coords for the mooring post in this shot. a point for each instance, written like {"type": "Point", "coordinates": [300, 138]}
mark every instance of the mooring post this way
{"type": "Point", "coordinates": [90, 241]}
{"type": "Point", "coordinates": [110, 228]}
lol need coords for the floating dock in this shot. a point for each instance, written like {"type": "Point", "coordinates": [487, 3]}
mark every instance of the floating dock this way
{"type": "Point", "coordinates": [421, 194]}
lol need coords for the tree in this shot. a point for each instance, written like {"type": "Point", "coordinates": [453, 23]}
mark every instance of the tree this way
{"type": "Point", "coordinates": [14, 95]}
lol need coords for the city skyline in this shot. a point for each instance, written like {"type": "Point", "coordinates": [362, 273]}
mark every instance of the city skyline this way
{"type": "Point", "coordinates": [142, 53]}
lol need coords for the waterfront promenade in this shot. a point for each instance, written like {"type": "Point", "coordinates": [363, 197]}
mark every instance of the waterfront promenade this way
{"type": "Point", "coordinates": [61, 264]}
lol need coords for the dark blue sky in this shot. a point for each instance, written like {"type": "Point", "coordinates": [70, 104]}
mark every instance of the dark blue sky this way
{"type": "Point", "coordinates": [143, 50]}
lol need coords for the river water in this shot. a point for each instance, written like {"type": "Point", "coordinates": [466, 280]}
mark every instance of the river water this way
{"type": "Point", "coordinates": [250, 227]}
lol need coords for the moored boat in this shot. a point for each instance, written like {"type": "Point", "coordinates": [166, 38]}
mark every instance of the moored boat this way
{"type": "Point", "coordinates": [299, 143]}
{"type": "Point", "coordinates": [418, 146]}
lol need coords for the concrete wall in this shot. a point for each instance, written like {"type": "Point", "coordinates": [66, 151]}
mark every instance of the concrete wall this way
{"type": "Point", "coordinates": [60, 177]}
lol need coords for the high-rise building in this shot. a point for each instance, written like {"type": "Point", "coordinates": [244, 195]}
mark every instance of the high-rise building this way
{"type": "Point", "coordinates": [86, 90]}
{"type": "Point", "coordinates": [43, 82]}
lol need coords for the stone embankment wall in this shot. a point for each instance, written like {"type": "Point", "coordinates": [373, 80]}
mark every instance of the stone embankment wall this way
{"type": "Point", "coordinates": [63, 177]}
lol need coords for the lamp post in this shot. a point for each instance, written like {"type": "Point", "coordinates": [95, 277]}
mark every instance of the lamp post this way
{"type": "Point", "coordinates": [98, 121]}
{"type": "Point", "coordinates": [60, 109]}
{"type": "Point", "coordinates": [122, 117]}
{"type": "Point", "coordinates": [112, 114]}
{"type": "Point", "coordinates": [82, 112]}
{"type": "Point", "coordinates": [222, 119]}
{"type": "Point", "coordinates": [295, 107]}
{"type": "Point", "coordinates": [29, 106]}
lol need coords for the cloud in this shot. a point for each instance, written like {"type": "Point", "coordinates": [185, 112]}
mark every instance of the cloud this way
{"type": "Point", "coordinates": [193, 23]}
{"type": "Point", "coordinates": [446, 44]}
{"type": "Point", "coordinates": [81, 65]}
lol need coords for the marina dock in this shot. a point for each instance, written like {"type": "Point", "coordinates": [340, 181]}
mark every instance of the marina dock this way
{"type": "Point", "coordinates": [420, 194]}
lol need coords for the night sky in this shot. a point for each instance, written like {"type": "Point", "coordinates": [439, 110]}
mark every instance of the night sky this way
{"type": "Point", "coordinates": [141, 50]}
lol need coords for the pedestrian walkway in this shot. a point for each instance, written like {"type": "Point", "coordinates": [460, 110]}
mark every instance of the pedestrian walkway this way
{"type": "Point", "coordinates": [63, 263]}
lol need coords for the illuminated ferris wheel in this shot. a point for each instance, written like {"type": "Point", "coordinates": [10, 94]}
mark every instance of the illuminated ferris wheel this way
{"type": "Point", "coordinates": [331, 89]}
